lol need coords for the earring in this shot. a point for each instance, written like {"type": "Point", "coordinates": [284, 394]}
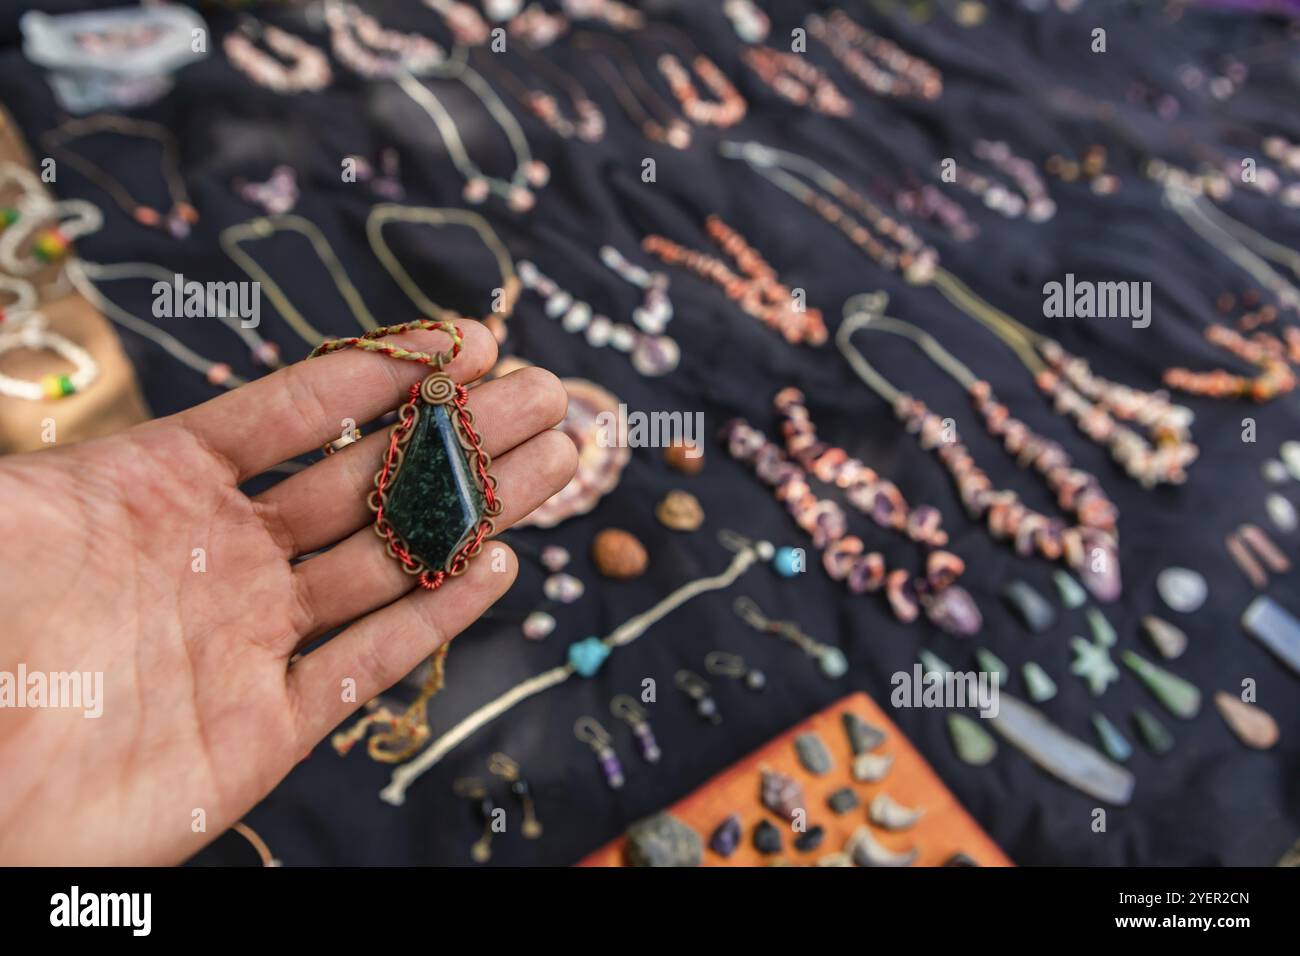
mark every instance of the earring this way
{"type": "Point", "coordinates": [697, 688]}
{"type": "Point", "coordinates": [471, 788]}
{"type": "Point", "coordinates": [628, 710]}
{"type": "Point", "coordinates": [733, 665]}
{"type": "Point", "coordinates": [505, 768]}
{"type": "Point", "coordinates": [591, 733]}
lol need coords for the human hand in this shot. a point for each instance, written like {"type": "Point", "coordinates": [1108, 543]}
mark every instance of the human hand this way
{"type": "Point", "coordinates": [202, 709]}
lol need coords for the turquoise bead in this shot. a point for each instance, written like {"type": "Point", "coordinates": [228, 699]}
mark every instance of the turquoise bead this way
{"type": "Point", "coordinates": [587, 655]}
{"type": "Point", "coordinates": [788, 561]}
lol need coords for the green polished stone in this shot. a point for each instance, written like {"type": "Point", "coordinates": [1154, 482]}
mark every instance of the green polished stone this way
{"type": "Point", "coordinates": [434, 503]}
{"type": "Point", "coordinates": [1153, 733]}
{"type": "Point", "coordinates": [974, 744]}
{"type": "Point", "coordinates": [992, 664]}
{"type": "Point", "coordinates": [1180, 697]}
{"type": "Point", "coordinates": [1040, 685]}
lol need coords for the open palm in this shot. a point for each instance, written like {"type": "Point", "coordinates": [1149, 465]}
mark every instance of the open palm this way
{"type": "Point", "coordinates": [202, 708]}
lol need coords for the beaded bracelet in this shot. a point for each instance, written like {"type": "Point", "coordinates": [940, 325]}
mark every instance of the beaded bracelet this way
{"type": "Point", "coordinates": [33, 333]}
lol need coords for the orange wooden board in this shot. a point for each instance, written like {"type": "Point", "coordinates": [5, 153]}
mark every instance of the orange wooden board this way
{"type": "Point", "coordinates": [946, 828]}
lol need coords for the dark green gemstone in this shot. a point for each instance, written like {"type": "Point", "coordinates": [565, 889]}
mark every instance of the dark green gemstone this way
{"type": "Point", "coordinates": [434, 503]}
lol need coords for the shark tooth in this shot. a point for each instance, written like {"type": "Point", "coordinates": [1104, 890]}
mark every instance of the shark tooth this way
{"type": "Point", "coordinates": [888, 814]}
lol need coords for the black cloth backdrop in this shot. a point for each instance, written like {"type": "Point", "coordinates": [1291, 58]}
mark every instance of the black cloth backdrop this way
{"type": "Point", "coordinates": [1211, 801]}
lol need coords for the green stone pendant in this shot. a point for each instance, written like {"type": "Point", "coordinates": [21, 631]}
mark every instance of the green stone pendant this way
{"type": "Point", "coordinates": [1181, 698]}
{"type": "Point", "coordinates": [430, 499]}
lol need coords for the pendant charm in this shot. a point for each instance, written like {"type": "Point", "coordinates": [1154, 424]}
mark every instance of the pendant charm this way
{"type": "Point", "coordinates": [434, 500]}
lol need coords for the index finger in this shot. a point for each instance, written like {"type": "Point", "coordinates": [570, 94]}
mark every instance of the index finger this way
{"type": "Point", "coordinates": [302, 406]}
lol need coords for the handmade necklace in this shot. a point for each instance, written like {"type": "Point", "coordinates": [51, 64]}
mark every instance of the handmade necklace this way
{"type": "Point", "coordinates": [478, 185]}
{"type": "Point", "coordinates": [435, 499]}
{"type": "Point", "coordinates": [794, 78]}
{"type": "Point", "coordinates": [32, 332]}
{"type": "Point", "coordinates": [365, 47]}
{"type": "Point", "coordinates": [651, 355]}
{"type": "Point", "coordinates": [587, 122]}
{"type": "Point", "coordinates": [759, 292]}
{"type": "Point", "coordinates": [844, 556]}
{"type": "Point", "coordinates": [1089, 547]}
{"type": "Point", "coordinates": [895, 72]}
{"type": "Point", "coordinates": [385, 213]}
{"type": "Point", "coordinates": [1097, 405]}
{"type": "Point", "coordinates": [71, 219]}
{"type": "Point", "coordinates": [468, 28]}
{"type": "Point", "coordinates": [264, 227]}
{"type": "Point", "coordinates": [830, 660]}
{"type": "Point", "coordinates": [216, 373]}
{"type": "Point", "coordinates": [537, 27]}
{"type": "Point", "coordinates": [182, 215]}
{"type": "Point", "coordinates": [260, 350]}
{"type": "Point", "coordinates": [1246, 248]}
{"type": "Point", "coordinates": [1028, 195]}
{"type": "Point", "coordinates": [308, 70]}
{"type": "Point", "coordinates": [654, 314]}
{"type": "Point", "coordinates": [926, 202]}
{"type": "Point", "coordinates": [585, 658]}
{"type": "Point", "coordinates": [1091, 169]}
{"type": "Point", "coordinates": [1265, 351]}
{"type": "Point", "coordinates": [727, 109]}
{"type": "Point", "coordinates": [639, 100]}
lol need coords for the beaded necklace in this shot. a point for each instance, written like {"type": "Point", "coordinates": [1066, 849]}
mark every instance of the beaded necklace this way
{"type": "Point", "coordinates": [587, 122]}
{"type": "Point", "coordinates": [896, 73]}
{"type": "Point", "coordinates": [182, 215]}
{"type": "Point", "coordinates": [264, 227]}
{"type": "Point", "coordinates": [794, 78]}
{"type": "Point", "coordinates": [651, 355]}
{"type": "Point", "coordinates": [1097, 405]}
{"type": "Point", "coordinates": [844, 556]}
{"type": "Point", "coordinates": [32, 332]}
{"type": "Point", "coordinates": [309, 69]}
{"type": "Point", "coordinates": [1032, 201]}
{"type": "Point", "coordinates": [1274, 357]}
{"type": "Point", "coordinates": [643, 106]}
{"type": "Point", "coordinates": [1089, 547]}
{"type": "Point", "coordinates": [529, 172]}
{"type": "Point", "coordinates": [365, 47]}
{"type": "Point", "coordinates": [467, 26]}
{"type": "Point", "coordinates": [759, 292]}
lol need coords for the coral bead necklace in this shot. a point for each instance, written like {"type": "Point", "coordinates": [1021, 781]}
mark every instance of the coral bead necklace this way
{"type": "Point", "coordinates": [1089, 547]}
{"type": "Point", "coordinates": [1097, 406]}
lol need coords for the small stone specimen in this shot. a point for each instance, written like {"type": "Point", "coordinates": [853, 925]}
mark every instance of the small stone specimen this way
{"type": "Point", "coordinates": [872, 767]}
{"type": "Point", "coordinates": [618, 554]}
{"type": "Point", "coordinates": [727, 836]}
{"type": "Point", "coordinates": [680, 511]}
{"type": "Point", "coordinates": [1102, 631]}
{"type": "Point", "coordinates": [863, 737]}
{"type": "Point", "coordinates": [1168, 640]}
{"type": "Point", "coordinates": [1276, 628]}
{"type": "Point", "coordinates": [839, 858]}
{"type": "Point", "coordinates": [1180, 697]}
{"type": "Point", "coordinates": [663, 840]}
{"type": "Point", "coordinates": [781, 794]}
{"type": "Point", "coordinates": [974, 745]}
{"type": "Point", "coordinates": [864, 849]}
{"type": "Point", "coordinates": [992, 664]}
{"type": "Point", "coordinates": [1153, 733]}
{"type": "Point", "coordinates": [767, 838]}
{"type": "Point", "coordinates": [933, 663]}
{"type": "Point", "coordinates": [688, 459]}
{"type": "Point", "coordinates": [1071, 591]}
{"type": "Point", "coordinates": [1182, 589]}
{"type": "Point", "coordinates": [1034, 610]}
{"type": "Point", "coordinates": [960, 859]}
{"type": "Point", "coordinates": [1040, 685]}
{"type": "Point", "coordinates": [538, 625]}
{"type": "Point", "coordinates": [554, 558]}
{"type": "Point", "coordinates": [562, 588]}
{"type": "Point", "coordinates": [814, 756]}
{"type": "Point", "coordinates": [1254, 726]}
{"type": "Point", "coordinates": [1274, 472]}
{"type": "Point", "coordinates": [842, 801]}
{"type": "Point", "coordinates": [1290, 453]}
{"type": "Point", "coordinates": [888, 814]}
{"type": "Point", "coordinates": [1092, 663]}
{"type": "Point", "coordinates": [1112, 741]}
{"type": "Point", "coordinates": [810, 839]}
{"type": "Point", "coordinates": [1282, 513]}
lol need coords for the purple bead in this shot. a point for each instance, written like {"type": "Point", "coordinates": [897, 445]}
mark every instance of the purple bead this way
{"type": "Point", "coordinates": [727, 836]}
{"type": "Point", "coordinates": [954, 611]}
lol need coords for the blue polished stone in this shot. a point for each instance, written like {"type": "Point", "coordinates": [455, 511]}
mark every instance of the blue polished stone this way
{"type": "Point", "coordinates": [587, 655]}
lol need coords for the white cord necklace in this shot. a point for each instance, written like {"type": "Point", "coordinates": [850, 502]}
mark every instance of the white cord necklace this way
{"type": "Point", "coordinates": [32, 332]}
{"type": "Point", "coordinates": [529, 172]}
